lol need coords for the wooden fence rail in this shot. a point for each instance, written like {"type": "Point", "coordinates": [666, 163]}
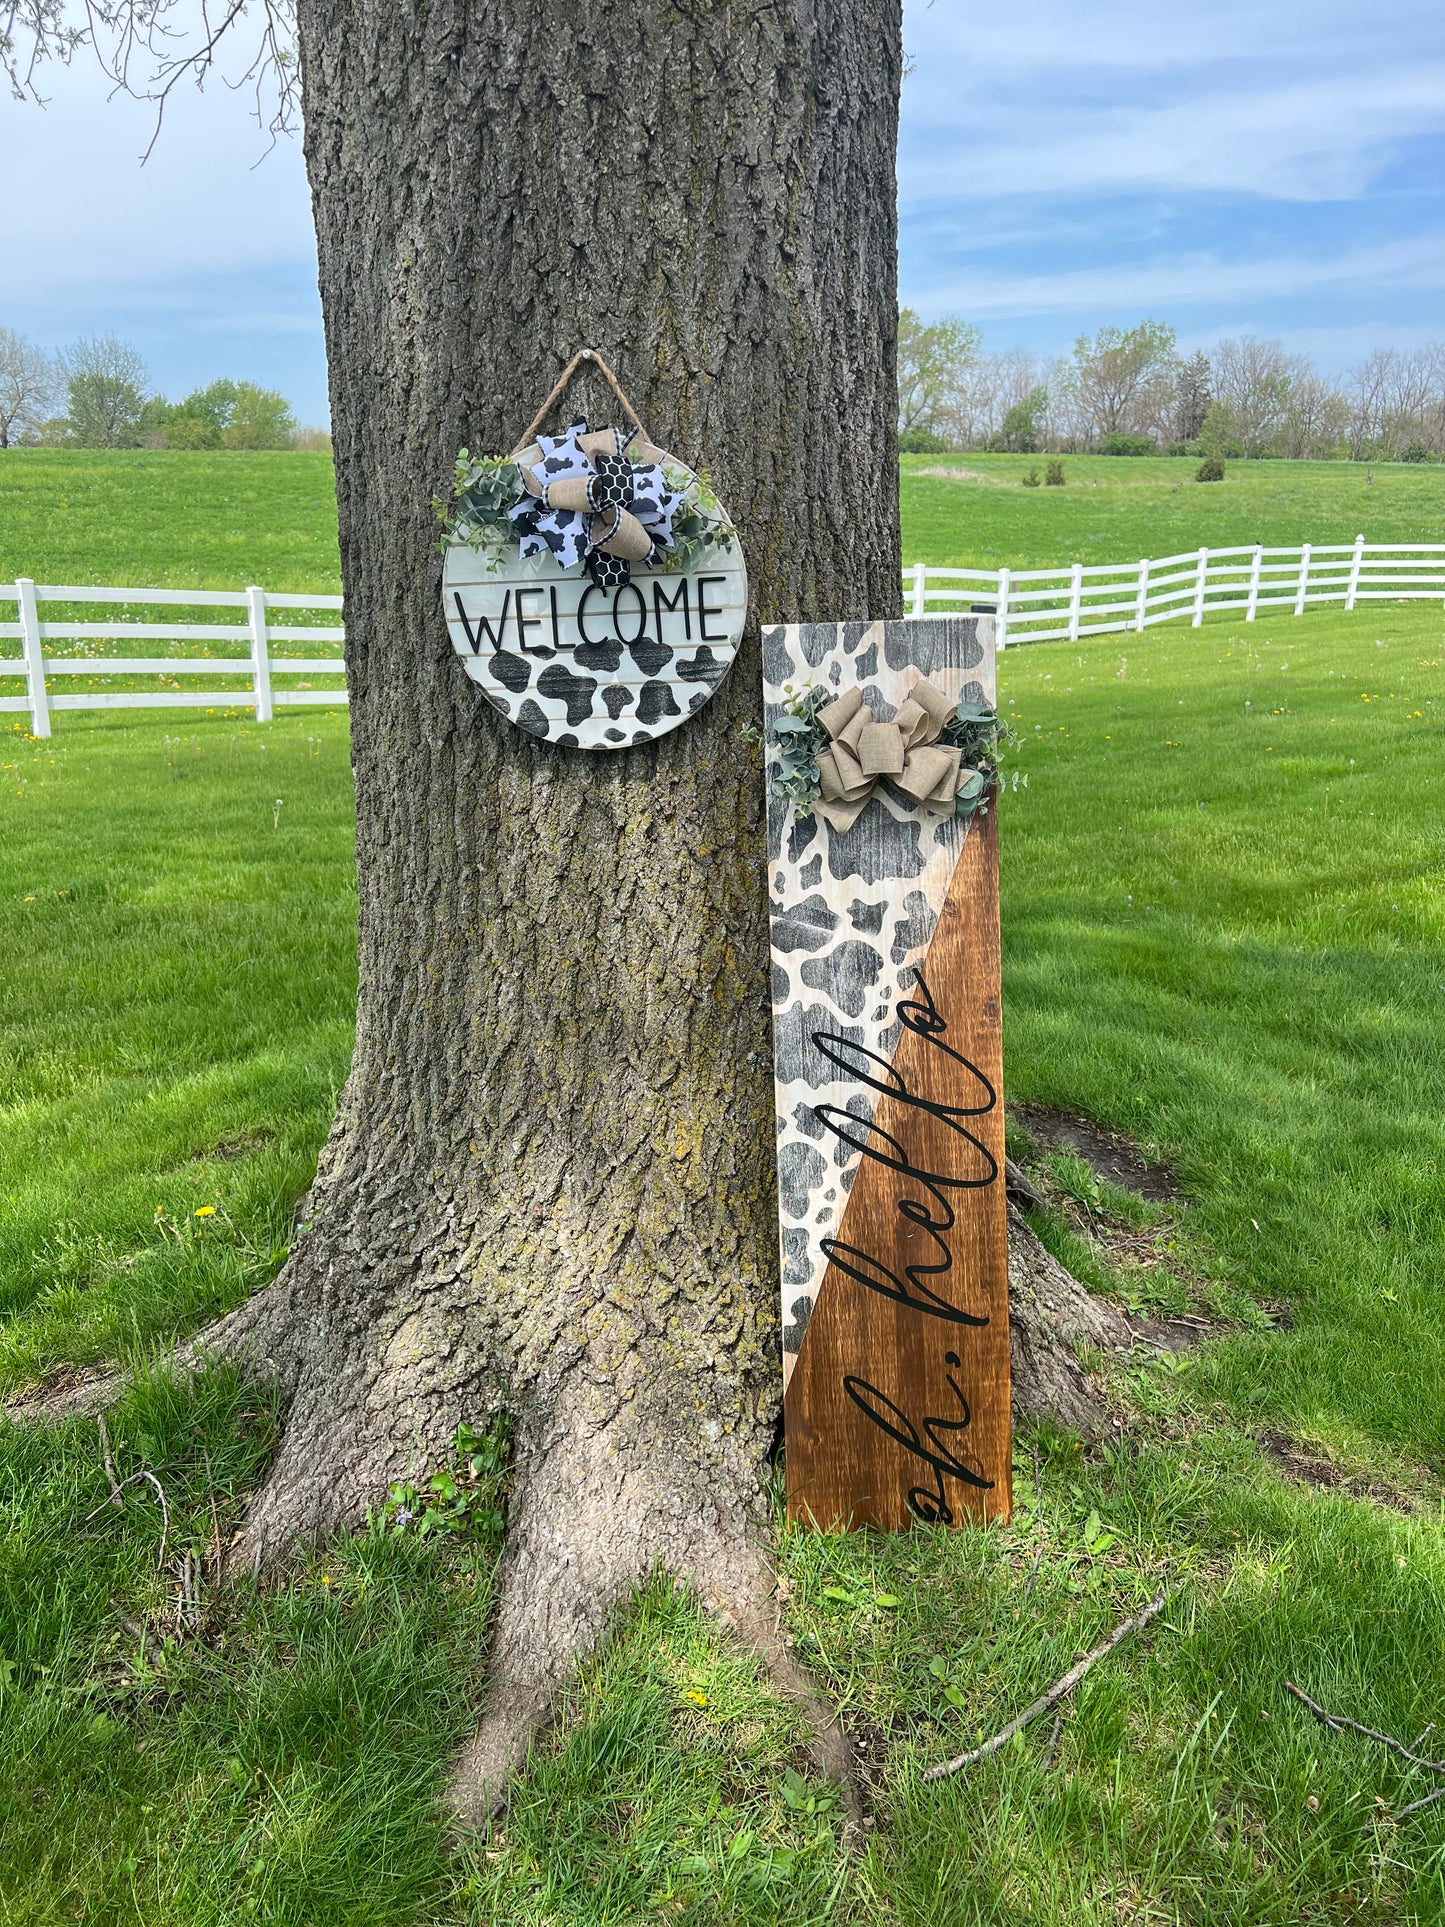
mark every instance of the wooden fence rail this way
{"type": "Point", "coordinates": [1031, 605]}
{"type": "Point", "coordinates": [1056, 605]}
{"type": "Point", "coordinates": [257, 664]}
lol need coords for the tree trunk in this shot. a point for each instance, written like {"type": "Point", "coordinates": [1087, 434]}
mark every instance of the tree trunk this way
{"type": "Point", "coordinates": [550, 1179]}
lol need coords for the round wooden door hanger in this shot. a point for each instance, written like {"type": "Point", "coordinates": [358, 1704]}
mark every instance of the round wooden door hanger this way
{"type": "Point", "coordinates": [594, 587]}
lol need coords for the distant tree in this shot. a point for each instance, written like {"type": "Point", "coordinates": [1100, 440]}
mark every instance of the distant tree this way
{"type": "Point", "coordinates": [1193, 395]}
{"type": "Point", "coordinates": [1219, 438]}
{"type": "Point", "coordinates": [933, 364]}
{"type": "Point", "coordinates": [1316, 418]}
{"type": "Point", "coordinates": [29, 384]}
{"type": "Point", "coordinates": [259, 418]}
{"type": "Point", "coordinates": [105, 382]}
{"type": "Point", "coordinates": [1252, 381]}
{"type": "Point", "coordinates": [1123, 380]}
{"type": "Point", "coordinates": [1397, 400]}
{"type": "Point", "coordinates": [312, 440]}
{"type": "Point", "coordinates": [226, 414]}
{"type": "Point", "coordinates": [191, 432]}
{"type": "Point", "coordinates": [1023, 423]}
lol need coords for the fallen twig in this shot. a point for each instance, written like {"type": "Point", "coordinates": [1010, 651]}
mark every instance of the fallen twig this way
{"type": "Point", "coordinates": [107, 1459]}
{"type": "Point", "coordinates": [165, 1509]}
{"type": "Point", "coordinates": [1340, 1723]}
{"type": "Point", "coordinates": [1055, 1693]}
{"type": "Point", "coordinates": [1416, 1805]}
{"type": "Point", "coordinates": [1049, 1750]}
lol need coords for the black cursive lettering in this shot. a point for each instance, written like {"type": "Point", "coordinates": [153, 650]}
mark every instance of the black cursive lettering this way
{"type": "Point", "coordinates": [929, 1505]}
{"type": "Point", "coordinates": [925, 1203]}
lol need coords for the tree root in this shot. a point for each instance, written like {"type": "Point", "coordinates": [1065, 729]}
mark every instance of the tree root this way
{"type": "Point", "coordinates": [583, 1535]}
{"type": "Point", "coordinates": [1049, 1313]}
{"type": "Point", "coordinates": [593, 1514]}
{"type": "Point", "coordinates": [253, 1336]}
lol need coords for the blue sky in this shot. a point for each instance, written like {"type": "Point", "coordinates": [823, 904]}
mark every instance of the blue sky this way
{"type": "Point", "coordinates": [1274, 167]}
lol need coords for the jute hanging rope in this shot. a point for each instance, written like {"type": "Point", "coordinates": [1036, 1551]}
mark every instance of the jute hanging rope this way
{"type": "Point", "coordinates": [559, 388]}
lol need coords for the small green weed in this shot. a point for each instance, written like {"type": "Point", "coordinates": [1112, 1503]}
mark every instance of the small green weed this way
{"type": "Point", "coordinates": [465, 1498]}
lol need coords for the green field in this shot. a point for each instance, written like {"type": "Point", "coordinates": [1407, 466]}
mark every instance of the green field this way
{"type": "Point", "coordinates": [162, 520]}
{"type": "Point", "coordinates": [977, 514]}
{"type": "Point", "coordinates": [1223, 923]}
{"type": "Point", "coordinates": [173, 520]}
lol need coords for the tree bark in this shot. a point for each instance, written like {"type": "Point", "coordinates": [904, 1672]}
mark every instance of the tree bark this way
{"type": "Point", "coordinates": [550, 1180]}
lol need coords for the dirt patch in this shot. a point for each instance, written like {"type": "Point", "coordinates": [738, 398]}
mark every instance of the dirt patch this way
{"type": "Point", "coordinates": [1175, 1331]}
{"type": "Point", "coordinates": [60, 1395]}
{"type": "Point", "coordinates": [1111, 1154]}
{"type": "Point", "coordinates": [239, 1146]}
{"type": "Point", "coordinates": [1291, 1459]}
{"type": "Point", "coordinates": [965, 475]}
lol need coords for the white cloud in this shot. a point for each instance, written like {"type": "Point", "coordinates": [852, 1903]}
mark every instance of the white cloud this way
{"type": "Point", "coordinates": [1293, 99]}
{"type": "Point", "coordinates": [1163, 286]}
{"type": "Point", "coordinates": [91, 216]}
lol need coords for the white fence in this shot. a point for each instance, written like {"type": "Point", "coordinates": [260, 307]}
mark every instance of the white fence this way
{"type": "Point", "coordinates": [257, 666]}
{"type": "Point", "coordinates": [1032, 605]}
{"type": "Point", "coordinates": [1048, 605]}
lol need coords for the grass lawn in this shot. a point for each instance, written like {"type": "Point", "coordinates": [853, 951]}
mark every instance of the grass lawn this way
{"type": "Point", "coordinates": [1223, 923]}
{"type": "Point", "coordinates": [172, 520]}
{"type": "Point", "coordinates": [166, 520]}
{"type": "Point", "coordinates": [971, 511]}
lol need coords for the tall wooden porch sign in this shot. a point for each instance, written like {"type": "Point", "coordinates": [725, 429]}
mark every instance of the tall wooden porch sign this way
{"type": "Point", "coordinates": [888, 1048]}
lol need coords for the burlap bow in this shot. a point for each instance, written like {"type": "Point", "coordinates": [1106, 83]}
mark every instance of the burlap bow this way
{"type": "Point", "coordinates": [906, 752]}
{"type": "Point", "coordinates": [592, 503]}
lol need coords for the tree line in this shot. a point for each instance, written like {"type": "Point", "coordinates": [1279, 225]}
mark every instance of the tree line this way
{"type": "Point", "coordinates": [96, 394]}
{"type": "Point", "coordinates": [1128, 391]}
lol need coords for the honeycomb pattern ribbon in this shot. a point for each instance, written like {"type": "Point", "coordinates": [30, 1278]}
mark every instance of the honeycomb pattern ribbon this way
{"type": "Point", "coordinates": [592, 503]}
{"type": "Point", "coordinates": [905, 752]}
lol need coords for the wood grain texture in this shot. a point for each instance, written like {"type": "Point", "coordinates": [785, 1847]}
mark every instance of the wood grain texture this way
{"type": "Point", "coordinates": [898, 1407]}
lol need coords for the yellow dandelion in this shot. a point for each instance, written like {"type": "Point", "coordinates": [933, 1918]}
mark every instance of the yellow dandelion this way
{"type": "Point", "coordinates": [205, 1211]}
{"type": "Point", "coordinates": [698, 1699]}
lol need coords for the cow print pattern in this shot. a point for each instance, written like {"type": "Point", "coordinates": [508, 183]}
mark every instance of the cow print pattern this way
{"type": "Point", "coordinates": [852, 915]}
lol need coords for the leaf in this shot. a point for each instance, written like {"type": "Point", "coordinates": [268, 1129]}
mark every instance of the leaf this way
{"type": "Point", "coordinates": [888, 1600]}
{"type": "Point", "coordinates": [1093, 1526]}
{"type": "Point", "coordinates": [840, 1594]}
{"type": "Point", "coordinates": [740, 1844]}
{"type": "Point", "coordinates": [954, 1697]}
{"type": "Point", "coordinates": [938, 1666]}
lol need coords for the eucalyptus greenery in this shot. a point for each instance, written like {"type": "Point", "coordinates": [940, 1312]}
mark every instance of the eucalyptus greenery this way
{"type": "Point", "coordinates": [800, 740]}
{"type": "Point", "coordinates": [485, 489]}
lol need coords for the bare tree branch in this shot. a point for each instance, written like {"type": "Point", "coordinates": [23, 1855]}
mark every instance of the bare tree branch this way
{"type": "Point", "coordinates": [147, 48]}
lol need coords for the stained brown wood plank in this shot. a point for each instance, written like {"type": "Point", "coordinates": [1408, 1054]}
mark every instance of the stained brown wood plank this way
{"type": "Point", "coordinates": [898, 1406]}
